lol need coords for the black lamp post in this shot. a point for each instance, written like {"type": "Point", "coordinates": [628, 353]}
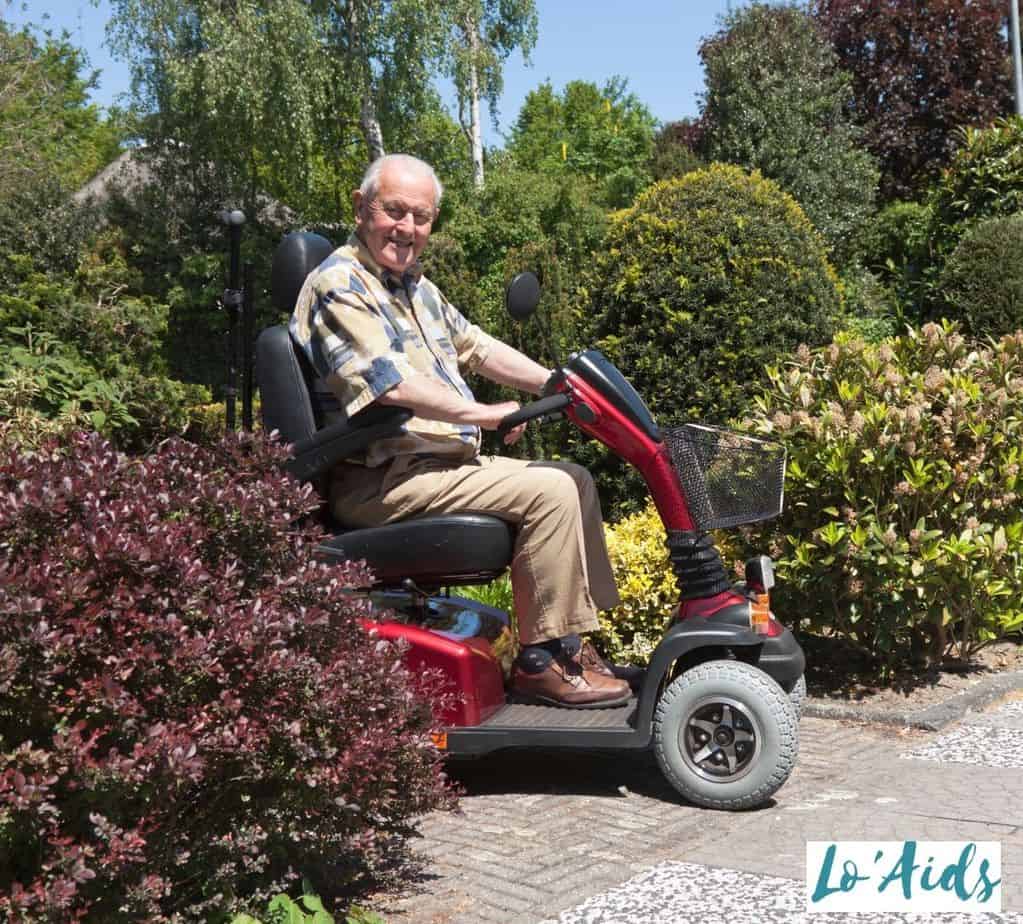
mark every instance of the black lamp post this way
{"type": "Point", "coordinates": [233, 301]}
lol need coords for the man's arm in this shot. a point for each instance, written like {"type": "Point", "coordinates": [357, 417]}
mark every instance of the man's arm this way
{"type": "Point", "coordinates": [432, 401]}
{"type": "Point", "coordinates": [507, 366]}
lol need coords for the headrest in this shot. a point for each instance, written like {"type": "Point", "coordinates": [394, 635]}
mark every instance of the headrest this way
{"type": "Point", "coordinates": [295, 258]}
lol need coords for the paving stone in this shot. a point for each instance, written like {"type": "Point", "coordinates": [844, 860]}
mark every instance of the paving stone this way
{"type": "Point", "coordinates": [978, 745]}
{"type": "Point", "coordinates": [540, 833]}
{"type": "Point", "coordinates": [673, 892]}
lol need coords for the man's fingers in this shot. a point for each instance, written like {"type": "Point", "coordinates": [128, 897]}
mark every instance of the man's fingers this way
{"type": "Point", "coordinates": [512, 436]}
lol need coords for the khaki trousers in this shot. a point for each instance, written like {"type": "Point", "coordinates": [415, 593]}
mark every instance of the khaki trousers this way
{"type": "Point", "coordinates": [560, 571]}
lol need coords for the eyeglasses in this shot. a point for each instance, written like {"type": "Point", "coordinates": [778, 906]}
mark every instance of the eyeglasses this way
{"type": "Point", "coordinates": [396, 211]}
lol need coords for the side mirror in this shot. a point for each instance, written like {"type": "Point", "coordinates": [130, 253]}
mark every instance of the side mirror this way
{"type": "Point", "coordinates": [522, 296]}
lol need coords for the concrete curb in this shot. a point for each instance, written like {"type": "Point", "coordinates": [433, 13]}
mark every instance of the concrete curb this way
{"type": "Point", "coordinates": [931, 718]}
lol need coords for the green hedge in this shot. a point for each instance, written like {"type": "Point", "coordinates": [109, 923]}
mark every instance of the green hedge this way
{"type": "Point", "coordinates": [705, 280]}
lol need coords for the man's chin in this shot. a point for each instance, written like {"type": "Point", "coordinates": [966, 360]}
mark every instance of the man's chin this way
{"type": "Point", "coordinates": [397, 259]}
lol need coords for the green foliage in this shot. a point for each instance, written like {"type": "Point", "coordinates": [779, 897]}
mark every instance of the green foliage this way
{"type": "Point", "coordinates": [497, 594]}
{"type": "Point", "coordinates": [871, 310]}
{"type": "Point", "coordinates": [675, 146]}
{"type": "Point", "coordinates": [896, 247]}
{"type": "Point", "coordinates": [984, 179]}
{"type": "Point", "coordinates": [602, 133]}
{"type": "Point", "coordinates": [48, 130]}
{"type": "Point", "coordinates": [701, 283]}
{"type": "Point", "coordinates": [84, 350]}
{"type": "Point", "coordinates": [637, 547]}
{"type": "Point", "coordinates": [982, 282]}
{"type": "Point", "coordinates": [777, 102]}
{"type": "Point", "coordinates": [41, 222]}
{"type": "Point", "coordinates": [902, 530]}
{"type": "Point", "coordinates": [308, 909]}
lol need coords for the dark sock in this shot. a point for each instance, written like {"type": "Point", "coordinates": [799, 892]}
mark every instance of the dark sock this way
{"type": "Point", "coordinates": [535, 659]}
{"type": "Point", "coordinates": [570, 644]}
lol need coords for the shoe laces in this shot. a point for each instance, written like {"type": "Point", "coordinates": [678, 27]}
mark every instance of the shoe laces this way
{"type": "Point", "coordinates": [572, 672]}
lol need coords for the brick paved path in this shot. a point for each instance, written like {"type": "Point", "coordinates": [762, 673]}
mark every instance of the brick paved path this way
{"type": "Point", "coordinates": [540, 833]}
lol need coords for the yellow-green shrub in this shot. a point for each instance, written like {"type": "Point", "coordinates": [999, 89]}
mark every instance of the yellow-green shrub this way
{"type": "Point", "coordinates": [646, 583]}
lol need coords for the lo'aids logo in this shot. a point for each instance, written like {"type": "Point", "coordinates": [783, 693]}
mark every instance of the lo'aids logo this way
{"type": "Point", "coordinates": [907, 876]}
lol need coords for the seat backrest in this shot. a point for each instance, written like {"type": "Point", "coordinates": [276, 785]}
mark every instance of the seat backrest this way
{"type": "Point", "coordinates": [284, 376]}
{"type": "Point", "coordinates": [283, 371]}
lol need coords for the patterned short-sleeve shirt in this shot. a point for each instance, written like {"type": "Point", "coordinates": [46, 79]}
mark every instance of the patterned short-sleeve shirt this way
{"type": "Point", "coordinates": [365, 330]}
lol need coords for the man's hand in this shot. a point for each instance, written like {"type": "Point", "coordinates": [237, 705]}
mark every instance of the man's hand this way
{"type": "Point", "coordinates": [495, 413]}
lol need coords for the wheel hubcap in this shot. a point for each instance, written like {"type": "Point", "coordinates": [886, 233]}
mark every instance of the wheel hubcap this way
{"type": "Point", "coordinates": [720, 739]}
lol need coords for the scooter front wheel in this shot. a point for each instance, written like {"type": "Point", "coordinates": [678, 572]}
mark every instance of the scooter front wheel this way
{"type": "Point", "coordinates": [797, 695]}
{"type": "Point", "coordinates": [726, 735]}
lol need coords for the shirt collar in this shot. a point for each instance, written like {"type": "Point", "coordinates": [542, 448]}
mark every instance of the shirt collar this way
{"type": "Point", "coordinates": [407, 280]}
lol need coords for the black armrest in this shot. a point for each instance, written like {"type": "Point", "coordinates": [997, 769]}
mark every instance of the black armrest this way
{"type": "Point", "coordinates": [320, 452]}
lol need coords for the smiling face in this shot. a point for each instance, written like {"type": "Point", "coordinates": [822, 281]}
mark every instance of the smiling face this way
{"type": "Point", "coordinates": [395, 224]}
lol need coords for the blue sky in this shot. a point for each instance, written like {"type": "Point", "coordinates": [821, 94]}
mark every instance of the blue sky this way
{"type": "Point", "coordinates": [653, 43]}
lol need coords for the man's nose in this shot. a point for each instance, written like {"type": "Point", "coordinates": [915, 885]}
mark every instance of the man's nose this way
{"type": "Point", "coordinates": [407, 222]}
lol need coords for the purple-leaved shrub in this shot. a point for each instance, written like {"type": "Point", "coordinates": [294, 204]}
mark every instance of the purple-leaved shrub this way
{"type": "Point", "coordinates": [191, 712]}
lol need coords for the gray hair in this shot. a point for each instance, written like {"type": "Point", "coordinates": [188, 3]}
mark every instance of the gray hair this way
{"type": "Point", "coordinates": [371, 178]}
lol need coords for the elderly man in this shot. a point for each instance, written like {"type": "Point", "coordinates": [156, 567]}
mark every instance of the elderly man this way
{"type": "Point", "coordinates": [378, 330]}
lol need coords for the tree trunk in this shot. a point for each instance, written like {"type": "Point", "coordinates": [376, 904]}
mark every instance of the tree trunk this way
{"type": "Point", "coordinates": [475, 129]}
{"type": "Point", "coordinates": [368, 120]}
{"type": "Point", "coordinates": [371, 128]}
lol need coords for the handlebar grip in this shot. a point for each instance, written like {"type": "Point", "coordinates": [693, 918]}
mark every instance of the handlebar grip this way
{"type": "Point", "coordinates": [531, 411]}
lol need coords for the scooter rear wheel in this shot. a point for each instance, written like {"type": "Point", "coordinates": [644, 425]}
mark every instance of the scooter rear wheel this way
{"type": "Point", "coordinates": [726, 735]}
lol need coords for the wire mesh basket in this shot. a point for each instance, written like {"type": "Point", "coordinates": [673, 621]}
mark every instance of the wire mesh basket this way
{"type": "Point", "coordinates": [728, 478]}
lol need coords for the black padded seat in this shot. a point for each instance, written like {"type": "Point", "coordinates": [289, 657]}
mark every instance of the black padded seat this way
{"type": "Point", "coordinates": [431, 551]}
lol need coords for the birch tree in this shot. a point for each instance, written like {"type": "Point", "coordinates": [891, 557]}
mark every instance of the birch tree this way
{"type": "Point", "coordinates": [485, 32]}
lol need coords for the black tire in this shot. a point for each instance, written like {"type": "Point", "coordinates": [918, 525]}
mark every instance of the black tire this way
{"type": "Point", "coordinates": [726, 735]}
{"type": "Point", "coordinates": [797, 695]}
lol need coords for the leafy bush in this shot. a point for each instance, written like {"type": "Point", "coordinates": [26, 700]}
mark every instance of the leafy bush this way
{"type": "Point", "coordinates": [982, 282]}
{"type": "Point", "coordinates": [637, 547]}
{"type": "Point", "coordinates": [902, 530]}
{"type": "Point", "coordinates": [21, 423]}
{"type": "Point", "coordinates": [190, 712]}
{"type": "Point", "coordinates": [93, 350]}
{"type": "Point", "coordinates": [778, 102]}
{"type": "Point", "coordinates": [896, 247]}
{"type": "Point", "coordinates": [701, 283]}
{"type": "Point", "coordinates": [42, 222]}
{"type": "Point", "coordinates": [307, 910]}
{"type": "Point", "coordinates": [984, 180]}
{"type": "Point", "coordinates": [871, 309]}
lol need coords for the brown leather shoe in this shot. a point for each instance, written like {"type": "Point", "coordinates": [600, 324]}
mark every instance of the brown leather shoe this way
{"type": "Point", "coordinates": [589, 660]}
{"type": "Point", "coordinates": [566, 683]}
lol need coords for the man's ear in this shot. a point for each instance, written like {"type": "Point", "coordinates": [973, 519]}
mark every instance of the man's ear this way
{"type": "Point", "coordinates": [357, 206]}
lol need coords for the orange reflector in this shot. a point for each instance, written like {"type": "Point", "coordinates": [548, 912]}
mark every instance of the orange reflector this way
{"type": "Point", "coordinates": [760, 614]}
{"type": "Point", "coordinates": [440, 740]}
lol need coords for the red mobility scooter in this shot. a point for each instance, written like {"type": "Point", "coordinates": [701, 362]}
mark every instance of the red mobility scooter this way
{"type": "Point", "coordinates": [719, 701]}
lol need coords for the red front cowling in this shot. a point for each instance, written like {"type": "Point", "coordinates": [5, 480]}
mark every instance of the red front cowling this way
{"type": "Point", "coordinates": [625, 439]}
{"type": "Point", "coordinates": [470, 665]}
{"type": "Point", "coordinates": [706, 607]}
